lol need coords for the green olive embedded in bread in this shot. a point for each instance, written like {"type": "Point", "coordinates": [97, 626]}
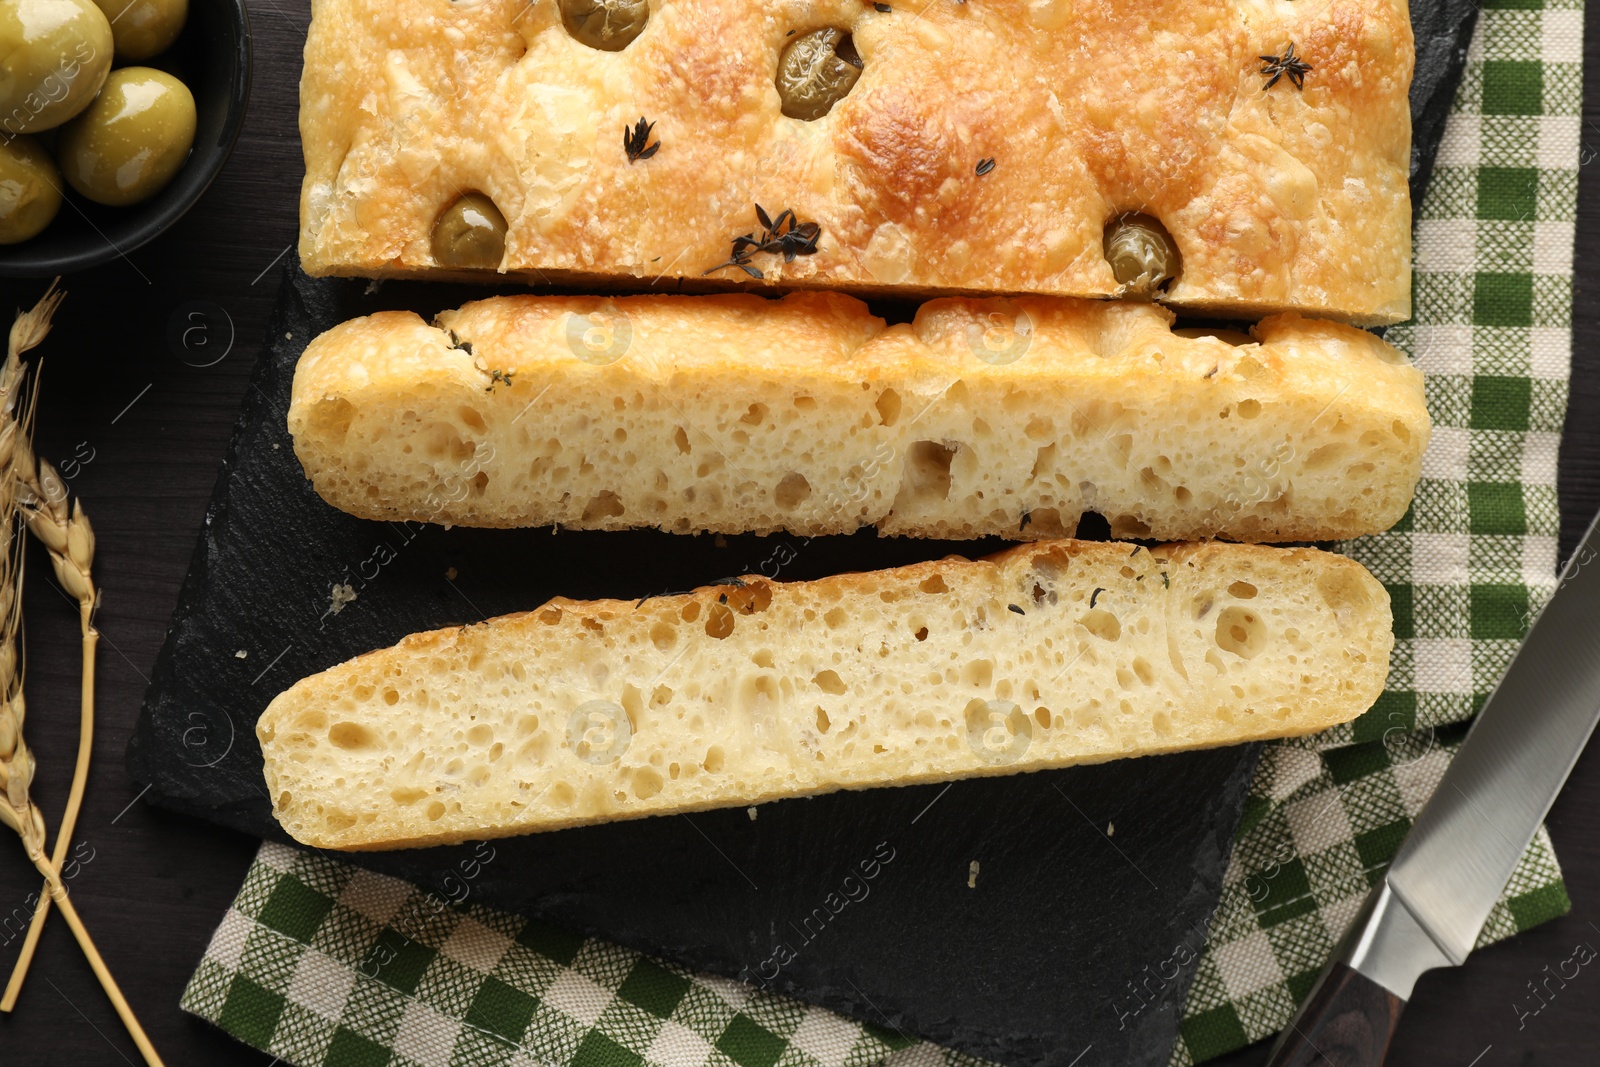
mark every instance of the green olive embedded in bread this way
{"type": "Point", "coordinates": [609, 25]}
{"type": "Point", "coordinates": [144, 28]}
{"type": "Point", "coordinates": [30, 189]}
{"type": "Point", "coordinates": [1141, 254]}
{"type": "Point", "coordinates": [816, 71]}
{"type": "Point", "coordinates": [127, 145]}
{"type": "Point", "coordinates": [470, 234]}
{"type": "Point", "coordinates": [54, 55]}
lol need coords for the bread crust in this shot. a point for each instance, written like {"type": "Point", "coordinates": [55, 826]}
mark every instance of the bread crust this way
{"type": "Point", "coordinates": [1007, 417]}
{"type": "Point", "coordinates": [1279, 199]}
{"type": "Point", "coordinates": [1041, 656]}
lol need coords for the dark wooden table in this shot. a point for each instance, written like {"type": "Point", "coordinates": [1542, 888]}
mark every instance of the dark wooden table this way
{"type": "Point", "coordinates": [150, 418]}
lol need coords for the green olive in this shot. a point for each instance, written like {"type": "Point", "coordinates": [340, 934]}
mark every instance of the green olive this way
{"type": "Point", "coordinates": [54, 55]}
{"type": "Point", "coordinates": [609, 25]}
{"type": "Point", "coordinates": [30, 190]}
{"type": "Point", "coordinates": [143, 28]}
{"type": "Point", "coordinates": [1141, 254]}
{"type": "Point", "coordinates": [127, 145]}
{"type": "Point", "coordinates": [816, 71]}
{"type": "Point", "coordinates": [470, 234]}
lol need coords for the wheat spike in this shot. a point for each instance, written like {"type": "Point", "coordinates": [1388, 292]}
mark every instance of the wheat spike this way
{"type": "Point", "coordinates": [16, 761]}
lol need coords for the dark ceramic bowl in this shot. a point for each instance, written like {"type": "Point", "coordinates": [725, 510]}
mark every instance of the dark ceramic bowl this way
{"type": "Point", "coordinates": [212, 57]}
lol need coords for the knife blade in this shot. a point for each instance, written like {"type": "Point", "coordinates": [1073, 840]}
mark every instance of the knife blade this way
{"type": "Point", "coordinates": [1430, 906]}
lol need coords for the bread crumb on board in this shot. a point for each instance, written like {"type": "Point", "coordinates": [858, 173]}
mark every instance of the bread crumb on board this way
{"type": "Point", "coordinates": [339, 596]}
{"type": "Point", "coordinates": [972, 875]}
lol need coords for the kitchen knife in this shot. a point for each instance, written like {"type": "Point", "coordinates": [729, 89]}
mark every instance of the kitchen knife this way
{"type": "Point", "coordinates": [1433, 901]}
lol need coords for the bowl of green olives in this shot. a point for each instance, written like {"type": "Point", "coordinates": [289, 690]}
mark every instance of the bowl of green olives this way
{"type": "Point", "coordinates": [115, 116]}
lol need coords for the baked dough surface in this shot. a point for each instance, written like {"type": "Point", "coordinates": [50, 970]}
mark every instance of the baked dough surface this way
{"type": "Point", "coordinates": [1277, 199]}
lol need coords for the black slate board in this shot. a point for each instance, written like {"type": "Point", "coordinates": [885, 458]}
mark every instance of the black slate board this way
{"type": "Point", "coordinates": [1075, 947]}
{"type": "Point", "coordinates": [1062, 944]}
{"type": "Point", "coordinates": [1443, 30]}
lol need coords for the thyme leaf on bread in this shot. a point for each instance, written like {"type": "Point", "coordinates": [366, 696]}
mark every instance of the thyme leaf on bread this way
{"type": "Point", "coordinates": [636, 141]}
{"type": "Point", "coordinates": [786, 235]}
{"type": "Point", "coordinates": [496, 376]}
{"type": "Point", "coordinates": [1287, 65]}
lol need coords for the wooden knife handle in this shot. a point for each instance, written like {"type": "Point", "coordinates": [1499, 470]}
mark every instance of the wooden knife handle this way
{"type": "Point", "coordinates": [1348, 1021]}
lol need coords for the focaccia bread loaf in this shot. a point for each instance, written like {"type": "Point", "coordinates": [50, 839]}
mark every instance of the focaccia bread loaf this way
{"type": "Point", "coordinates": [733, 413]}
{"type": "Point", "coordinates": [985, 147]}
{"type": "Point", "coordinates": [1045, 655]}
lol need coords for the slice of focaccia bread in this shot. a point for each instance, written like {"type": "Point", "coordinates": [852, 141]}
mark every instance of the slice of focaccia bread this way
{"type": "Point", "coordinates": [936, 147]}
{"type": "Point", "coordinates": [1045, 655]}
{"type": "Point", "coordinates": [983, 417]}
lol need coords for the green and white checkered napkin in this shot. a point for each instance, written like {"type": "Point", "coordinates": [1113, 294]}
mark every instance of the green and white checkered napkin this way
{"type": "Point", "coordinates": [319, 962]}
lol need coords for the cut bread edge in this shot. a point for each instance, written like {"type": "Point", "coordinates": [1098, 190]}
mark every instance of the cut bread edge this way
{"type": "Point", "coordinates": [1351, 607]}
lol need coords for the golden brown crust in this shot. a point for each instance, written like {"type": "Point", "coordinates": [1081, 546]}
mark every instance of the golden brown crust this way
{"type": "Point", "coordinates": [1278, 199]}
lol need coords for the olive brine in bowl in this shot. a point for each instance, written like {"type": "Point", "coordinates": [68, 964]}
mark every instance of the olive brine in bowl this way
{"type": "Point", "coordinates": [114, 117]}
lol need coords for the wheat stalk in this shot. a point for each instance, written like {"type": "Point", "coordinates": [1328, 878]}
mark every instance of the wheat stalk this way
{"type": "Point", "coordinates": [31, 487]}
{"type": "Point", "coordinates": [41, 496]}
